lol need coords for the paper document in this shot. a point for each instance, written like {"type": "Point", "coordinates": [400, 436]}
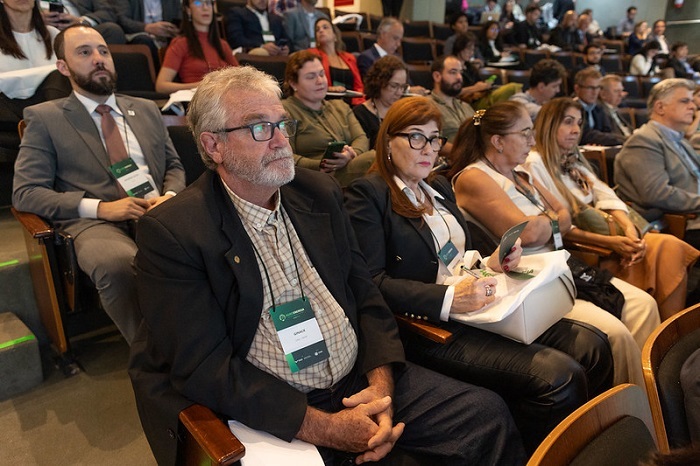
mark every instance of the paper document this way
{"type": "Point", "coordinates": [264, 448]}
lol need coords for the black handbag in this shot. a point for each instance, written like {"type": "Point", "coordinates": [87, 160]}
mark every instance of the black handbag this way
{"type": "Point", "coordinates": [593, 285]}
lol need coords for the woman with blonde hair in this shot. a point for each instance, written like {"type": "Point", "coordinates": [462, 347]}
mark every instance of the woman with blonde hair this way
{"type": "Point", "coordinates": [654, 262]}
{"type": "Point", "coordinates": [492, 187]}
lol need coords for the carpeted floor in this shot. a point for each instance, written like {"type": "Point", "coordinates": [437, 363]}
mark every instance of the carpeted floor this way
{"type": "Point", "coordinates": [86, 419]}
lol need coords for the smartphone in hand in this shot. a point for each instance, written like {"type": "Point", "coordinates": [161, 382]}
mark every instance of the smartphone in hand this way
{"type": "Point", "coordinates": [332, 148]}
{"type": "Point", "coordinates": [56, 7]}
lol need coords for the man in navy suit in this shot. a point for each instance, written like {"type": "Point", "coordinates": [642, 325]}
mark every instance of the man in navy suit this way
{"type": "Point", "coordinates": [256, 30]}
{"type": "Point", "coordinates": [389, 35]}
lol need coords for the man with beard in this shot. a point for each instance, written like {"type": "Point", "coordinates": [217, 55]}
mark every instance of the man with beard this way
{"type": "Point", "coordinates": [70, 164]}
{"type": "Point", "coordinates": [447, 85]}
{"type": "Point", "coordinates": [264, 241]}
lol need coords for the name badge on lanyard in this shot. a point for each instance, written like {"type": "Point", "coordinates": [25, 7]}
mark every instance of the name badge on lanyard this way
{"type": "Point", "coordinates": [132, 180]}
{"type": "Point", "coordinates": [448, 253]}
{"type": "Point", "coordinates": [299, 334]}
{"type": "Point", "coordinates": [556, 234]}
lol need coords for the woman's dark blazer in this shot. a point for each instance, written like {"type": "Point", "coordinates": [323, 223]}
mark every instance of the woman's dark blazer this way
{"type": "Point", "coordinates": [400, 251]}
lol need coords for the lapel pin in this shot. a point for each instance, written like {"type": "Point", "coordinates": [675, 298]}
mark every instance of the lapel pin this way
{"type": "Point", "coordinates": [130, 112]}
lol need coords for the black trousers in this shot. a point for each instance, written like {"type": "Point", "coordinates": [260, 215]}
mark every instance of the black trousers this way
{"type": "Point", "coordinates": [542, 383]}
{"type": "Point", "coordinates": [392, 7]}
{"type": "Point", "coordinates": [447, 421]}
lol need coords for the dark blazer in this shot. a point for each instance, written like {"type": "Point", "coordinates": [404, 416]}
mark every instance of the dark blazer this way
{"type": "Point", "coordinates": [63, 160]}
{"type": "Point", "coordinates": [679, 70]}
{"type": "Point", "coordinates": [602, 131]}
{"type": "Point", "coordinates": [243, 28]}
{"type": "Point", "coordinates": [201, 295]}
{"type": "Point", "coordinates": [524, 33]}
{"type": "Point", "coordinates": [132, 15]}
{"type": "Point", "coordinates": [396, 246]}
{"type": "Point", "coordinates": [99, 10]}
{"type": "Point", "coordinates": [366, 59]}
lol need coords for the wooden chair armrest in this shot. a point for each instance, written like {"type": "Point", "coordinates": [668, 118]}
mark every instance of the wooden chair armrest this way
{"type": "Point", "coordinates": [208, 435]}
{"type": "Point", "coordinates": [35, 225]}
{"type": "Point", "coordinates": [588, 247]}
{"type": "Point", "coordinates": [677, 223]}
{"type": "Point", "coordinates": [430, 331]}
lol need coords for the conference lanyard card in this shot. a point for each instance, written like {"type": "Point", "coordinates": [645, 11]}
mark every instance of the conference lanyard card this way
{"type": "Point", "coordinates": [556, 235]}
{"type": "Point", "coordinates": [132, 180]}
{"type": "Point", "coordinates": [268, 36]}
{"type": "Point", "coordinates": [299, 334]}
{"type": "Point", "coordinates": [448, 253]}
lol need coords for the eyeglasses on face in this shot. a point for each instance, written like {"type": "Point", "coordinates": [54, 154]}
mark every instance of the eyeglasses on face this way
{"type": "Point", "coordinates": [592, 88]}
{"type": "Point", "coordinates": [418, 141]}
{"type": "Point", "coordinates": [527, 133]}
{"type": "Point", "coordinates": [201, 3]}
{"type": "Point", "coordinates": [264, 130]}
{"type": "Point", "coordinates": [396, 86]}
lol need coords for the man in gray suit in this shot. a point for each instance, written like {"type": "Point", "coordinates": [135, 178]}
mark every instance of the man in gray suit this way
{"type": "Point", "coordinates": [657, 169]}
{"type": "Point", "coordinates": [300, 22]}
{"type": "Point", "coordinates": [66, 173]}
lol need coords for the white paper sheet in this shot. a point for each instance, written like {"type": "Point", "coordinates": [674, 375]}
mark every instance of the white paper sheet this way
{"type": "Point", "coordinates": [262, 448]}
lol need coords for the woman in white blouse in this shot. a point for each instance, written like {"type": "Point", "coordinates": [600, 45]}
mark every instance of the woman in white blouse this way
{"type": "Point", "coordinates": [653, 262]}
{"type": "Point", "coordinates": [643, 63]}
{"type": "Point", "coordinates": [25, 41]}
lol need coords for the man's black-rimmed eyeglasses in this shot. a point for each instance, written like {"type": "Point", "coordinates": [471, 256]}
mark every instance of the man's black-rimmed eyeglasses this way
{"type": "Point", "coordinates": [418, 141]}
{"type": "Point", "coordinates": [264, 130]}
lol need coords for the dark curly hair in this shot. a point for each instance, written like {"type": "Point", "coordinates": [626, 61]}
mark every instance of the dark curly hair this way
{"type": "Point", "coordinates": [379, 75]}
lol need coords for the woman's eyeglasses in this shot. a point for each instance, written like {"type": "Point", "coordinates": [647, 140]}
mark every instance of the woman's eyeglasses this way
{"type": "Point", "coordinates": [396, 86]}
{"type": "Point", "coordinates": [418, 141]}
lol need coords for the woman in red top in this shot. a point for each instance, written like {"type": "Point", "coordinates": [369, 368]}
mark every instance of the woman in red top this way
{"type": "Point", "coordinates": [196, 51]}
{"type": "Point", "coordinates": [340, 66]}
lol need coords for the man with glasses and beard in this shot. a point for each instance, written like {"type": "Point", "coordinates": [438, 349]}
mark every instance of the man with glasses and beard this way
{"type": "Point", "coordinates": [266, 245]}
{"type": "Point", "coordinates": [447, 85]}
{"type": "Point", "coordinates": [94, 163]}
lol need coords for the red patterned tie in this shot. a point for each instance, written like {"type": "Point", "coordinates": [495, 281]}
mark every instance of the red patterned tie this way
{"type": "Point", "coordinates": [113, 139]}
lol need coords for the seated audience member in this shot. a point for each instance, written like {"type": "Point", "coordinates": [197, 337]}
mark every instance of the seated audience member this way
{"type": "Point", "coordinates": [678, 62]}
{"type": "Point", "coordinates": [489, 185]}
{"type": "Point", "coordinates": [611, 94]}
{"type": "Point", "coordinates": [657, 169]}
{"type": "Point", "coordinates": [592, 58]}
{"type": "Point", "coordinates": [638, 38]}
{"type": "Point", "coordinates": [152, 26]}
{"type": "Point", "coordinates": [339, 65]}
{"type": "Point", "coordinates": [198, 50]}
{"type": "Point", "coordinates": [594, 29]}
{"type": "Point", "coordinates": [690, 382]}
{"type": "Point", "coordinates": [491, 6]}
{"type": "Point", "coordinates": [63, 170]}
{"type": "Point", "coordinates": [389, 35]}
{"type": "Point", "coordinates": [583, 37]}
{"type": "Point", "coordinates": [565, 34]}
{"type": "Point", "coordinates": [356, 398]}
{"type": "Point", "coordinates": [597, 127]}
{"type": "Point", "coordinates": [475, 91]}
{"type": "Point", "coordinates": [280, 6]}
{"type": "Point", "coordinates": [447, 86]}
{"type": "Point", "coordinates": [692, 132]}
{"type": "Point", "coordinates": [508, 19]}
{"type": "Point", "coordinates": [656, 263]}
{"type": "Point", "coordinates": [256, 30]}
{"type": "Point", "coordinates": [658, 31]}
{"type": "Point", "coordinates": [561, 7]}
{"type": "Point", "coordinates": [459, 25]}
{"type": "Point", "coordinates": [385, 83]}
{"type": "Point", "coordinates": [527, 33]}
{"type": "Point", "coordinates": [399, 209]}
{"type": "Point", "coordinates": [490, 42]}
{"type": "Point", "coordinates": [517, 10]}
{"type": "Point", "coordinates": [545, 83]}
{"type": "Point", "coordinates": [25, 40]}
{"type": "Point", "coordinates": [321, 122]}
{"type": "Point", "coordinates": [96, 13]}
{"type": "Point", "coordinates": [644, 63]}
{"type": "Point", "coordinates": [300, 23]}
{"type": "Point", "coordinates": [625, 26]}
